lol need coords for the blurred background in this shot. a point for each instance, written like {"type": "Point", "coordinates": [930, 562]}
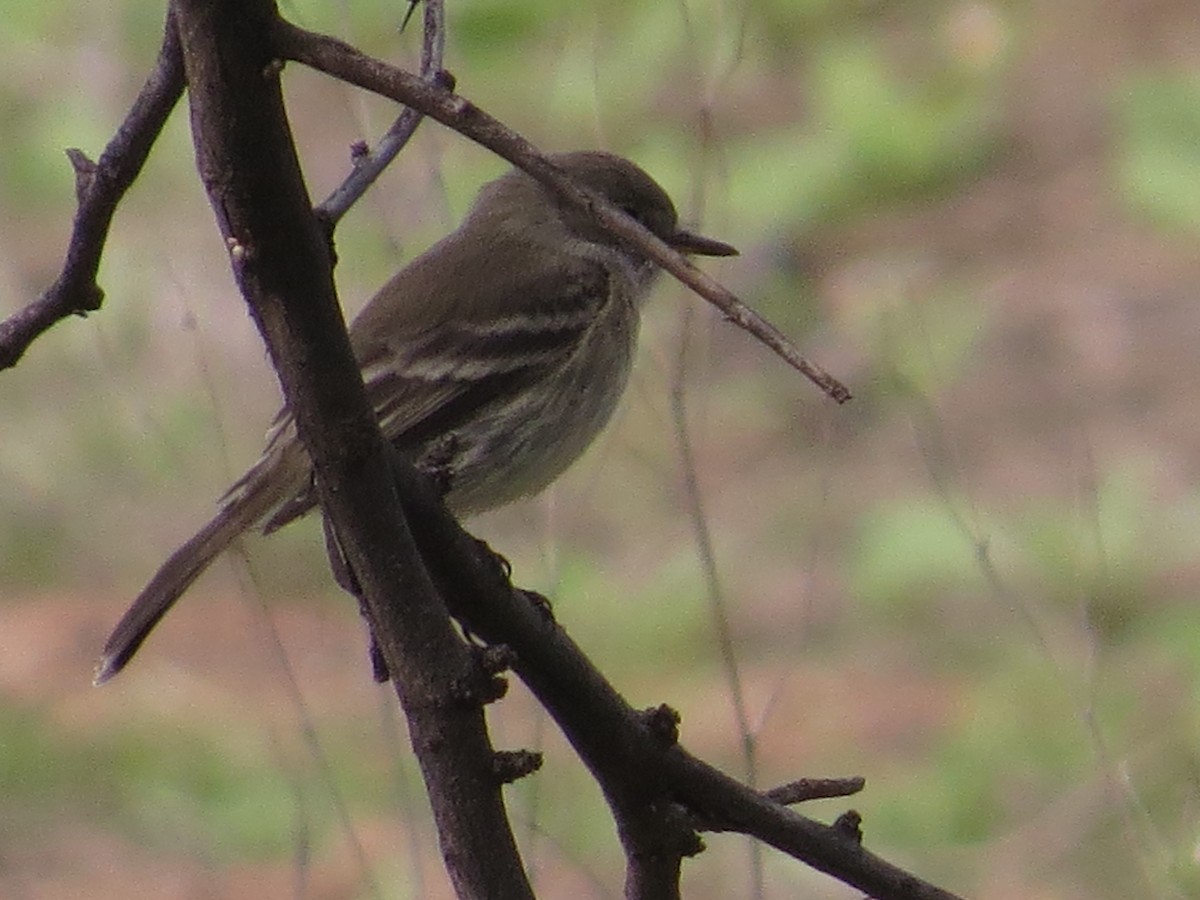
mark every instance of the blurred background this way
{"type": "Point", "coordinates": [974, 585]}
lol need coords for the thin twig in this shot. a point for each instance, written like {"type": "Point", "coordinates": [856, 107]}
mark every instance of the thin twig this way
{"type": "Point", "coordinates": [717, 601]}
{"type": "Point", "coordinates": [340, 60]}
{"type": "Point", "coordinates": [99, 187]}
{"type": "Point", "coordinates": [369, 166]}
{"type": "Point", "coordinates": [804, 789]}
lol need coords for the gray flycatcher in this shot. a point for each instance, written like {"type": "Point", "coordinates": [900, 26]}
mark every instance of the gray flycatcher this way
{"type": "Point", "coordinates": [509, 342]}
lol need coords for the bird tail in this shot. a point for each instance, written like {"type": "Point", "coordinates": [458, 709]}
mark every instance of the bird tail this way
{"type": "Point", "coordinates": [248, 503]}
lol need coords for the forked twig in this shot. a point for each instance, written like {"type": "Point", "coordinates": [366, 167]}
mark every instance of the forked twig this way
{"type": "Point", "coordinates": [99, 188]}
{"type": "Point", "coordinates": [340, 60]}
{"type": "Point", "coordinates": [369, 166]}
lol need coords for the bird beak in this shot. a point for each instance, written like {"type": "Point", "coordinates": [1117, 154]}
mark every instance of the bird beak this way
{"type": "Point", "coordinates": [698, 245]}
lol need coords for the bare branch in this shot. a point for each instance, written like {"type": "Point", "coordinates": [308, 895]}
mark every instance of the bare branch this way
{"type": "Point", "coordinates": [342, 61]}
{"type": "Point", "coordinates": [99, 187]}
{"type": "Point", "coordinates": [656, 789]}
{"type": "Point", "coordinates": [804, 789]}
{"type": "Point", "coordinates": [369, 166]}
{"type": "Point", "coordinates": [281, 262]}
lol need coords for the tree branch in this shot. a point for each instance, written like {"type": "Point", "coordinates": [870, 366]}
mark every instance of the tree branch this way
{"type": "Point", "coordinates": [99, 187]}
{"type": "Point", "coordinates": [644, 773]}
{"type": "Point", "coordinates": [369, 166]}
{"type": "Point", "coordinates": [281, 262]}
{"type": "Point", "coordinates": [342, 61]}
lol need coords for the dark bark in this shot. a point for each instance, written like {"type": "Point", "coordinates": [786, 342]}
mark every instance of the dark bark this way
{"type": "Point", "coordinates": [659, 793]}
{"type": "Point", "coordinates": [230, 52]}
{"type": "Point", "coordinates": [99, 188]}
{"type": "Point", "coordinates": [281, 261]}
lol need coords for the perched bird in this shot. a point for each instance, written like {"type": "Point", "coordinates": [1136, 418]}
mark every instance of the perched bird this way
{"type": "Point", "coordinates": [506, 345]}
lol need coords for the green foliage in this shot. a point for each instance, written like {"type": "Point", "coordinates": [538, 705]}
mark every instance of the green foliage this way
{"type": "Point", "coordinates": [488, 31]}
{"type": "Point", "coordinates": [161, 784]}
{"type": "Point", "coordinates": [1158, 162]}
{"type": "Point", "coordinates": [31, 547]}
{"type": "Point", "coordinates": [188, 787]}
{"type": "Point", "coordinates": [901, 138]}
{"type": "Point", "coordinates": [40, 766]}
{"type": "Point", "coordinates": [871, 139]}
{"type": "Point", "coordinates": [659, 624]}
{"type": "Point", "coordinates": [922, 345]}
{"type": "Point", "coordinates": [995, 762]}
{"type": "Point", "coordinates": [907, 554]}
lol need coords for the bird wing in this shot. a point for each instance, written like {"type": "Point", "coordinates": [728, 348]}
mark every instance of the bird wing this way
{"type": "Point", "coordinates": [427, 382]}
{"type": "Point", "coordinates": [426, 376]}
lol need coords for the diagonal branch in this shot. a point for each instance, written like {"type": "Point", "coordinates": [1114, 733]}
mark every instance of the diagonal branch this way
{"type": "Point", "coordinates": [645, 774]}
{"type": "Point", "coordinates": [369, 166]}
{"type": "Point", "coordinates": [99, 187]}
{"type": "Point", "coordinates": [835, 850]}
{"type": "Point", "coordinates": [342, 61]}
